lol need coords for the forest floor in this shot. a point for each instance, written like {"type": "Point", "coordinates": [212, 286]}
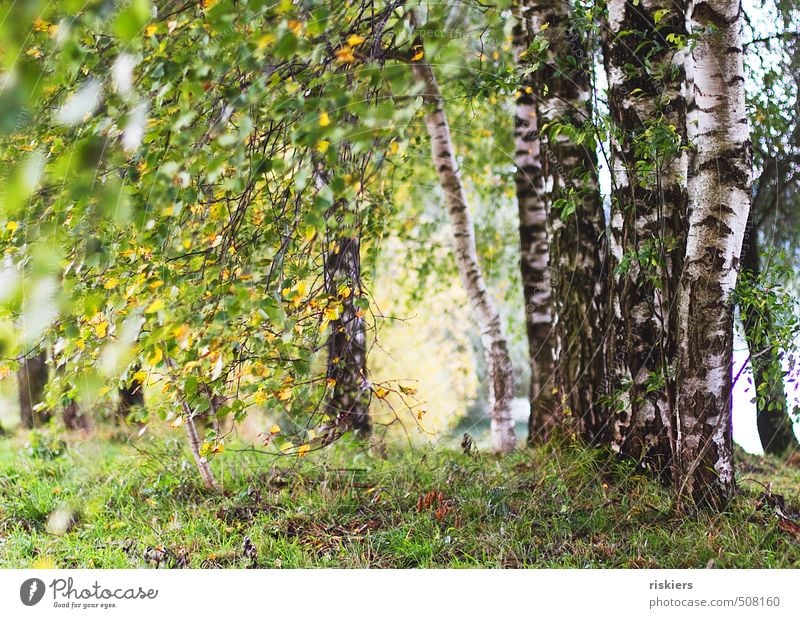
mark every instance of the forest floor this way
{"type": "Point", "coordinates": [137, 504]}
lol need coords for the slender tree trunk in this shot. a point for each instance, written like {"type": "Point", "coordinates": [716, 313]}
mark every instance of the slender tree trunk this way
{"type": "Point", "coordinates": [720, 202]}
{"type": "Point", "coordinates": [772, 410]}
{"type": "Point", "coordinates": [534, 247]}
{"type": "Point", "coordinates": [575, 215]}
{"type": "Point", "coordinates": [194, 444]}
{"type": "Point", "coordinates": [348, 402]}
{"type": "Point", "coordinates": [203, 466]}
{"type": "Point", "coordinates": [346, 376]}
{"type": "Point", "coordinates": [649, 217]}
{"type": "Point", "coordinates": [32, 379]}
{"type": "Point", "coordinates": [501, 378]}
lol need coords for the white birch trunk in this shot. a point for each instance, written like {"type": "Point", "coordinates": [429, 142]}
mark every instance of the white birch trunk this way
{"type": "Point", "coordinates": [534, 246]}
{"type": "Point", "coordinates": [649, 201]}
{"type": "Point", "coordinates": [720, 202]}
{"type": "Point", "coordinates": [501, 379]}
{"type": "Point", "coordinates": [577, 241]}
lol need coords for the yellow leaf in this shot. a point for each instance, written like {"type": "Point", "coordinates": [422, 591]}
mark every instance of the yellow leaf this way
{"type": "Point", "coordinates": [418, 55]}
{"type": "Point", "coordinates": [266, 40]}
{"type": "Point", "coordinates": [101, 329]}
{"type": "Point", "coordinates": [219, 447]}
{"type": "Point", "coordinates": [331, 312]}
{"type": "Point", "coordinates": [324, 119]}
{"type": "Point", "coordinates": [354, 40]}
{"type": "Point", "coordinates": [151, 29]}
{"type": "Point", "coordinates": [408, 390]}
{"type": "Point", "coordinates": [274, 429]}
{"type": "Point", "coordinates": [111, 283]}
{"type": "Point", "coordinates": [156, 305]}
{"type": "Point", "coordinates": [156, 357]}
{"type": "Point", "coordinates": [12, 226]}
{"type": "Point", "coordinates": [381, 393]}
{"type": "Point", "coordinates": [259, 397]}
{"type": "Point", "coordinates": [302, 451]}
{"type": "Point", "coordinates": [345, 292]}
{"type": "Point", "coordinates": [394, 147]}
{"type": "Point", "coordinates": [322, 146]}
{"type": "Point", "coordinates": [181, 333]}
{"type": "Point", "coordinates": [310, 233]}
{"type": "Point", "coordinates": [285, 394]}
{"type": "Point", "coordinates": [344, 55]}
{"type": "Point", "coordinates": [330, 383]}
{"type": "Point", "coordinates": [140, 377]}
{"type": "Point", "coordinates": [40, 25]}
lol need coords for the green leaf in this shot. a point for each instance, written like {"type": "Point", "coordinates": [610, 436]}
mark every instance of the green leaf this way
{"type": "Point", "coordinates": [132, 20]}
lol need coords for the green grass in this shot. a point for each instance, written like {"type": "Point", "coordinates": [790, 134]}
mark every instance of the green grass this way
{"type": "Point", "coordinates": [564, 506]}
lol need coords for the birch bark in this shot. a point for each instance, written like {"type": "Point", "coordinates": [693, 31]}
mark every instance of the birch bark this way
{"type": "Point", "coordinates": [720, 202]}
{"type": "Point", "coordinates": [495, 344]}
{"type": "Point", "coordinates": [534, 244]}
{"type": "Point", "coordinates": [645, 67]}
{"type": "Point", "coordinates": [347, 345]}
{"type": "Point", "coordinates": [574, 210]}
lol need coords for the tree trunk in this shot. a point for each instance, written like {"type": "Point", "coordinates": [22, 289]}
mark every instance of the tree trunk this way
{"type": "Point", "coordinates": [194, 444]}
{"type": "Point", "coordinates": [203, 466]}
{"type": "Point", "coordinates": [131, 395]}
{"type": "Point", "coordinates": [534, 248]}
{"type": "Point", "coordinates": [71, 412]}
{"type": "Point", "coordinates": [347, 343]}
{"type": "Point", "coordinates": [719, 205]}
{"type": "Point", "coordinates": [649, 209]}
{"type": "Point", "coordinates": [772, 410]}
{"type": "Point", "coordinates": [501, 379]}
{"type": "Point", "coordinates": [73, 417]}
{"type": "Point", "coordinates": [575, 215]}
{"type": "Point", "coordinates": [32, 379]}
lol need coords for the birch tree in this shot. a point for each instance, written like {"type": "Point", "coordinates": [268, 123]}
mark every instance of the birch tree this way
{"type": "Point", "coordinates": [719, 205]}
{"type": "Point", "coordinates": [493, 337]}
{"type": "Point", "coordinates": [347, 342]}
{"type": "Point", "coordinates": [645, 65]}
{"type": "Point", "coordinates": [575, 217]}
{"type": "Point", "coordinates": [534, 243]}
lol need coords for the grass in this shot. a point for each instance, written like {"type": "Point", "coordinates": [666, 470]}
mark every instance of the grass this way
{"type": "Point", "coordinates": [120, 504]}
